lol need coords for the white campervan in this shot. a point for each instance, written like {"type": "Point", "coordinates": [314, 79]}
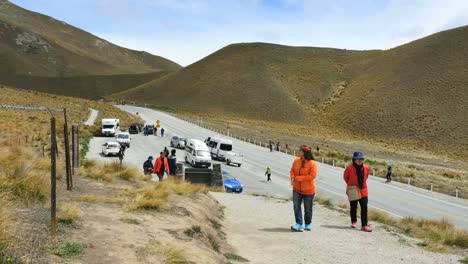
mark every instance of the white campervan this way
{"type": "Point", "coordinates": [110, 127]}
{"type": "Point", "coordinates": [197, 153]}
{"type": "Point", "coordinates": [218, 147]}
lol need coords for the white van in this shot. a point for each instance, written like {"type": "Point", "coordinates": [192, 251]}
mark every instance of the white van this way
{"type": "Point", "coordinates": [110, 127]}
{"type": "Point", "coordinates": [197, 153]}
{"type": "Point", "coordinates": [218, 147]}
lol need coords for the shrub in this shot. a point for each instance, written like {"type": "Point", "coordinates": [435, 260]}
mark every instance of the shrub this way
{"type": "Point", "coordinates": [66, 250]}
{"type": "Point", "coordinates": [70, 213]}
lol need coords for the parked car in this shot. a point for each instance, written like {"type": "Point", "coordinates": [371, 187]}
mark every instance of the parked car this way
{"type": "Point", "coordinates": [218, 147]}
{"type": "Point", "coordinates": [178, 142]}
{"type": "Point", "coordinates": [123, 138]}
{"type": "Point", "coordinates": [150, 129]}
{"type": "Point", "coordinates": [231, 184]}
{"type": "Point", "coordinates": [234, 158]}
{"type": "Point", "coordinates": [197, 153]}
{"type": "Point", "coordinates": [133, 129]}
{"type": "Point", "coordinates": [140, 127]}
{"type": "Point", "coordinates": [110, 148]}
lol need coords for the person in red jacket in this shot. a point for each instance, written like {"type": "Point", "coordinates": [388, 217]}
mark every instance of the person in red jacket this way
{"type": "Point", "coordinates": [160, 166]}
{"type": "Point", "coordinates": [356, 175]}
{"type": "Point", "coordinates": [303, 174]}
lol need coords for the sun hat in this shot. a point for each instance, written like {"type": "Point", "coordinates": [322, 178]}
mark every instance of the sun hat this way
{"type": "Point", "coordinates": [305, 148]}
{"type": "Point", "coordinates": [358, 155]}
{"type": "Point", "coordinates": [150, 158]}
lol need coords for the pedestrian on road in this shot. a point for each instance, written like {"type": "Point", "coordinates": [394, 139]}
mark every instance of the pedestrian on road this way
{"type": "Point", "coordinates": [148, 165]}
{"type": "Point", "coordinates": [355, 175]}
{"type": "Point", "coordinates": [162, 132]}
{"type": "Point", "coordinates": [172, 162]}
{"type": "Point", "coordinates": [287, 146]}
{"type": "Point", "coordinates": [155, 131]}
{"type": "Point", "coordinates": [121, 153]}
{"type": "Point", "coordinates": [161, 166]}
{"type": "Point", "coordinates": [145, 130]}
{"type": "Point", "coordinates": [278, 146]}
{"type": "Point", "coordinates": [166, 152]}
{"type": "Point", "coordinates": [271, 147]}
{"type": "Point", "coordinates": [303, 174]}
{"type": "Point", "coordinates": [389, 173]}
{"type": "Point", "coordinates": [268, 174]}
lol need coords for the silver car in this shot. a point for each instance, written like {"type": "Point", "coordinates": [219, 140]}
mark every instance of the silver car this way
{"type": "Point", "coordinates": [178, 142]}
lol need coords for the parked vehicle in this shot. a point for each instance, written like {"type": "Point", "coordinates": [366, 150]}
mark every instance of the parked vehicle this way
{"type": "Point", "coordinates": [234, 158]}
{"type": "Point", "coordinates": [123, 138]}
{"type": "Point", "coordinates": [178, 142]}
{"type": "Point", "coordinates": [133, 129]}
{"type": "Point", "coordinates": [197, 153]}
{"type": "Point", "coordinates": [150, 129]}
{"type": "Point", "coordinates": [110, 127]}
{"type": "Point", "coordinates": [231, 184]}
{"type": "Point", "coordinates": [140, 127]}
{"type": "Point", "coordinates": [218, 147]}
{"type": "Point", "coordinates": [110, 148]}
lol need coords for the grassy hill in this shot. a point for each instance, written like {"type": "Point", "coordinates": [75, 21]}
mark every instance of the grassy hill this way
{"type": "Point", "coordinates": [414, 92]}
{"type": "Point", "coordinates": [35, 44]}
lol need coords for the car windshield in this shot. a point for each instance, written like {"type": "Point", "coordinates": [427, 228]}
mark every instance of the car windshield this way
{"type": "Point", "coordinates": [122, 136]}
{"type": "Point", "coordinates": [225, 147]}
{"type": "Point", "coordinates": [113, 145]}
{"type": "Point", "coordinates": [108, 126]}
{"type": "Point", "coordinates": [181, 139]}
{"type": "Point", "coordinates": [228, 177]}
{"type": "Point", "coordinates": [203, 153]}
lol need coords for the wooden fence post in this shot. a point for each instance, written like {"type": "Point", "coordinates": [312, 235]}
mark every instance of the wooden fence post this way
{"type": "Point", "coordinates": [67, 151]}
{"type": "Point", "coordinates": [75, 146]}
{"type": "Point", "coordinates": [53, 177]}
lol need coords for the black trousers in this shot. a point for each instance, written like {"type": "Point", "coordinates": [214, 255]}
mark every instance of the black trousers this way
{"type": "Point", "coordinates": [389, 177]}
{"type": "Point", "coordinates": [269, 177]}
{"type": "Point", "coordinates": [353, 211]}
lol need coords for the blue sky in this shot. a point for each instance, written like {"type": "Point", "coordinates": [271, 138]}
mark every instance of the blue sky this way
{"type": "Point", "coordinates": [188, 30]}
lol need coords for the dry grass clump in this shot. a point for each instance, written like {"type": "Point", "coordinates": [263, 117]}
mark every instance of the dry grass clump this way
{"type": "Point", "coordinates": [6, 224]}
{"type": "Point", "coordinates": [156, 196]}
{"type": "Point", "coordinates": [170, 254]}
{"type": "Point", "coordinates": [109, 171]}
{"type": "Point", "coordinates": [69, 213]}
{"type": "Point", "coordinates": [92, 198]}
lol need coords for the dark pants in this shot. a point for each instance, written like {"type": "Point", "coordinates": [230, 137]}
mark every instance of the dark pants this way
{"type": "Point", "coordinates": [308, 203]}
{"type": "Point", "coordinates": [269, 177]}
{"type": "Point", "coordinates": [389, 177]}
{"type": "Point", "coordinates": [363, 203]}
{"type": "Point", "coordinates": [160, 175]}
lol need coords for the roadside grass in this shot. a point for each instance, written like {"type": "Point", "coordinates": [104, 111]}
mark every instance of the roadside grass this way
{"type": "Point", "coordinates": [109, 171]}
{"type": "Point", "coordinates": [193, 231]}
{"type": "Point", "coordinates": [130, 221]}
{"type": "Point", "coordinates": [170, 254]}
{"type": "Point", "coordinates": [156, 195]}
{"type": "Point", "coordinates": [92, 198]}
{"type": "Point", "coordinates": [69, 213]}
{"type": "Point", "coordinates": [7, 224]}
{"type": "Point", "coordinates": [235, 257]}
{"type": "Point", "coordinates": [66, 250]}
{"type": "Point", "coordinates": [464, 261]}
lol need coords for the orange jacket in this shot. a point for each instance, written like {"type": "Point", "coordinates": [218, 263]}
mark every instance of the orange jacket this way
{"type": "Point", "coordinates": [350, 177]}
{"type": "Point", "coordinates": [304, 177]}
{"type": "Point", "coordinates": [158, 163]}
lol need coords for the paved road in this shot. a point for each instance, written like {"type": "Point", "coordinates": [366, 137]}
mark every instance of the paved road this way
{"type": "Point", "coordinates": [396, 199]}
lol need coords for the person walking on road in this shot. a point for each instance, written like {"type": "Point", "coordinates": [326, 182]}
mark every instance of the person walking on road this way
{"type": "Point", "coordinates": [278, 146]}
{"type": "Point", "coordinates": [121, 153]}
{"type": "Point", "coordinates": [166, 152]}
{"type": "Point", "coordinates": [172, 162]}
{"type": "Point", "coordinates": [161, 166]}
{"type": "Point", "coordinates": [145, 130]}
{"type": "Point", "coordinates": [389, 173]}
{"type": "Point", "coordinates": [268, 174]}
{"type": "Point", "coordinates": [271, 146]}
{"type": "Point", "coordinates": [303, 173]}
{"type": "Point", "coordinates": [162, 132]}
{"type": "Point", "coordinates": [148, 165]}
{"type": "Point", "coordinates": [355, 175]}
{"type": "Point", "coordinates": [155, 131]}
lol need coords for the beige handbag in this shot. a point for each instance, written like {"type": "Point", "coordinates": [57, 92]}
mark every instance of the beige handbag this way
{"type": "Point", "coordinates": [353, 193]}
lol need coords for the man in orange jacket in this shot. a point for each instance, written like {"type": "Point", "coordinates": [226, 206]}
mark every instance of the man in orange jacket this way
{"type": "Point", "coordinates": [160, 166]}
{"type": "Point", "coordinates": [303, 174]}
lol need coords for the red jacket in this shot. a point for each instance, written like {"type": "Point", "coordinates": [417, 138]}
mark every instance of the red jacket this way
{"type": "Point", "coordinates": [158, 163]}
{"type": "Point", "coordinates": [304, 178]}
{"type": "Point", "coordinates": [350, 177]}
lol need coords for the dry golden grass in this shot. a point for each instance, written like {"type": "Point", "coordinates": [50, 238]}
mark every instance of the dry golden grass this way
{"type": "Point", "coordinates": [156, 196]}
{"type": "Point", "coordinates": [7, 224]}
{"type": "Point", "coordinates": [92, 198]}
{"type": "Point", "coordinates": [69, 213]}
{"type": "Point", "coordinates": [109, 171]}
{"type": "Point", "coordinates": [170, 254]}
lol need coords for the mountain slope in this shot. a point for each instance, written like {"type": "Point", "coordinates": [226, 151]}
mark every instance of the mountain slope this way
{"type": "Point", "coordinates": [414, 92]}
{"type": "Point", "coordinates": [35, 44]}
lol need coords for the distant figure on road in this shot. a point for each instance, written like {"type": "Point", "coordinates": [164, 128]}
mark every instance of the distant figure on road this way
{"type": "Point", "coordinates": [166, 152]}
{"type": "Point", "coordinates": [145, 130]}
{"type": "Point", "coordinates": [389, 173]}
{"type": "Point", "coordinates": [287, 147]}
{"type": "Point", "coordinates": [270, 144]}
{"type": "Point", "coordinates": [318, 149]}
{"type": "Point", "coordinates": [278, 146]}
{"type": "Point", "coordinates": [161, 166]}
{"type": "Point", "coordinates": [148, 165]}
{"type": "Point", "coordinates": [172, 162]}
{"type": "Point", "coordinates": [121, 153]}
{"type": "Point", "coordinates": [268, 174]}
{"type": "Point", "coordinates": [155, 131]}
{"type": "Point", "coordinates": [355, 176]}
{"type": "Point", "coordinates": [303, 174]}
{"type": "Point", "coordinates": [162, 132]}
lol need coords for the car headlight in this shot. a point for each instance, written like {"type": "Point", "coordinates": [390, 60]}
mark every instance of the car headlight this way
{"type": "Point", "coordinates": [242, 185]}
{"type": "Point", "coordinates": [228, 185]}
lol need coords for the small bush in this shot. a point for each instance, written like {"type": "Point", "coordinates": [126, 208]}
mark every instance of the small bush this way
{"type": "Point", "coordinates": [191, 232]}
{"type": "Point", "coordinates": [70, 213]}
{"type": "Point", "coordinates": [170, 254]}
{"type": "Point", "coordinates": [66, 250]}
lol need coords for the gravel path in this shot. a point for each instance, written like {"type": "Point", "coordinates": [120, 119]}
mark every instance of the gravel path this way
{"type": "Point", "coordinates": [92, 117]}
{"type": "Point", "coordinates": [259, 228]}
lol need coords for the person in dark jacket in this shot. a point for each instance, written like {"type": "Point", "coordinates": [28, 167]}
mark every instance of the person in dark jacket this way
{"type": "Point", "coordinates": [148, 165]}
{"type": "Point", "coordinates": [166, 152]}
{"type": "Point", "coordinates": [389, 173]}
{"type": "Point", "coordinates": [172, 162]}
{"type": "Point", "coordinates": [145, 130]}
{"type": "Point", "coordinates": [356, 174]}
{"type": "Point", "coordinates": [162, 132]}
{"type": "Point", "coordinates": [121, 153]}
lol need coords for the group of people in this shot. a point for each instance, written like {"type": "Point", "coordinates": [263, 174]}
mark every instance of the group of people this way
{"type": "Point", "coordinates": [165, 164]}
{"type": "Point", "coordinates": [302, 175]}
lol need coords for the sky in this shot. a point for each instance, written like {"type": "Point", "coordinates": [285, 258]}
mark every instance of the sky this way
{"type": "Point", "coordinates": [185, 31]}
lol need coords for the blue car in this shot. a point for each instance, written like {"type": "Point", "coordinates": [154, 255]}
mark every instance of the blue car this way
{"type": "Point", "coordinates": [231, 184]}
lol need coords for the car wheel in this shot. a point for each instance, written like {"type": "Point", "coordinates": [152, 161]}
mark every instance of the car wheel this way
{"type": "Point", "coordinates": [239, 165]}
{"type": "Point", "coordinates": [172, 145]}
{"type": "Point", "coordinates": [193, 163]}
{"type": "Point", "coordinates": [227, 162]}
